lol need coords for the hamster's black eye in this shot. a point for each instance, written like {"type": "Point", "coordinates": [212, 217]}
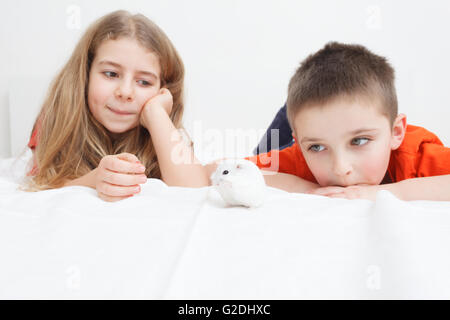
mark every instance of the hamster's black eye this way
{"type": "Point", "coordinates": [225, 172]}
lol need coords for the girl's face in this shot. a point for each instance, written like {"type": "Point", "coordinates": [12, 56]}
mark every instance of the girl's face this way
{"type": "Point", "coordinates": [123, 77]}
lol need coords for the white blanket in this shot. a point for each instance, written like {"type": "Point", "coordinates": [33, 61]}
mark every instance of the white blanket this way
{"type": "Point", "coordinates": [181, 243]}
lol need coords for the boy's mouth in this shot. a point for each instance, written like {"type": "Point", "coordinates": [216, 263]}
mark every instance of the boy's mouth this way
{"type": "Point", "coordinates": [351, 184]}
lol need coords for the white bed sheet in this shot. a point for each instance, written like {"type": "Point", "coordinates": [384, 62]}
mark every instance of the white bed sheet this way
{"type": "Point", "coordinates": [181, 243]}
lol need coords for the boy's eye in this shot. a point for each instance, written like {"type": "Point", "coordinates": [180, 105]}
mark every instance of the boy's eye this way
{"type": "Point", "coordinates": [110, 74]}
{"type": "Point", "coordinates": [360, 141]}
{"type": "Point", "coordinates": [316, 148]}
{"type": "Point", "coordinates": [144, 83]}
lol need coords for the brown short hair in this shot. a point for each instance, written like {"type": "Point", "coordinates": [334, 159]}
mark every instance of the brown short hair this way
{"type": "Point", "coordinates": [342, 70]}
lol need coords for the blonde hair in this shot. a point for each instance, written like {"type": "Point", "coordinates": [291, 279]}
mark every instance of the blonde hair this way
{"type": "Point", "coordinates": [71, 142]}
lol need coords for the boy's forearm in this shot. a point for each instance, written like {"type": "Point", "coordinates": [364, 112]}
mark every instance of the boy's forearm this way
{"type": "Point", "coordinates": [435, 188]}
{"type": "Point", "coordinates": [288, 182]}
{"type": "Point", "coordinates": [178, 165]}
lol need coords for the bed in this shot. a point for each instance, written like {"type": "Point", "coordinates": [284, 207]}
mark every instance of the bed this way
{"type": "Point", "coordinates": [182, 243]}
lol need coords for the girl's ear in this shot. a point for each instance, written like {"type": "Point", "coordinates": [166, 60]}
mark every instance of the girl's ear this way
{"type": "Point", "coordinates": [398, 131]}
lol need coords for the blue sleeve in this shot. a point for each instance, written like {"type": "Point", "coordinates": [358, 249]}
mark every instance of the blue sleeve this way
{"type": "Point", "coordinates": [281, 123]}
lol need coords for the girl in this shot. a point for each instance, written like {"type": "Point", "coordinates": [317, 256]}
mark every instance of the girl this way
{"type": "Point", "coordinates": [112, 114]}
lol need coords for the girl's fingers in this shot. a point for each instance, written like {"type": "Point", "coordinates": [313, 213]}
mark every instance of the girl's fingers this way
{"type": "Point", "coordinates": [112, 190]}
{"type": "Point", "coordinates": [124, 166]}
{"type": "Point", "coordinates": [128, 157]}
{"type": "Point", "coordinates": [164, 91]}
{"type": "Point", "coordinates": [123, 179]}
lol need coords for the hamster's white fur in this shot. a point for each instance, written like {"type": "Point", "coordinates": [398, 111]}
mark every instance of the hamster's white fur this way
{"type": "Point", "coordinates": [239, 182]}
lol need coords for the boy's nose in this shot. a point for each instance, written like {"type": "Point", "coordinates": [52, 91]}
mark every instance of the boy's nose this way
{"type": "Point", "coordinates": [341, 167]}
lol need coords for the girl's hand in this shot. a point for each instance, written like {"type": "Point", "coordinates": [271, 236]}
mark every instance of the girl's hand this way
{"type": "Point", "coordinates": [162, 101]}
{"type": "Point", "coordinates": [118, 177]}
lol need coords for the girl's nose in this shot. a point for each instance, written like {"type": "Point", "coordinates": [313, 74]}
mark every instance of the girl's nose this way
{"type": "Point", "coordinates": [125, 91]}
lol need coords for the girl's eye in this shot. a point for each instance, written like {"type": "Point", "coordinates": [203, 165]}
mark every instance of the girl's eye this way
{"type": "Point", "coordinates": [110, 74]}
{"type": "Point", "coordinates": [360, 141]}
{"type": "Point", "coordinates": [316, 148]}
{"type": "Point", "coordinates": [144, 83]}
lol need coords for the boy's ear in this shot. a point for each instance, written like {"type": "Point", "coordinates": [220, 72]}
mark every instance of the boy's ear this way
{"type": "Point", "coordinates": [398, 131]}
{"type": "Point", "coordinates": [294, 135]}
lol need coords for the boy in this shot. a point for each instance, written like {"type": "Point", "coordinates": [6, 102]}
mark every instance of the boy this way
{"type": "Point", "coordinates": [349, 140]}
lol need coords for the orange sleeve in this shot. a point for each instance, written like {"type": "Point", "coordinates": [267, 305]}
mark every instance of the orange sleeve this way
{"type": "Point", "coordinates": [33, 140]}
{"type": "Point", "coordinates": [289, 160]}
{"type": "Point", "coordinates": [32, 145]}
{"type": "Point", "coordinates": [434, 160]}
{"type": "Point", "coordinates": [421, 154]}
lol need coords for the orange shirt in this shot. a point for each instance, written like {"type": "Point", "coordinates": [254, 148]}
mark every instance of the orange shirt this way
{"type": "Point", "coordinates": [421, 154]}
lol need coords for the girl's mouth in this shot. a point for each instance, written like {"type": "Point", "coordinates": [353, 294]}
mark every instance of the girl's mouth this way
{"type": "Point", "coordinates": [119, 112]}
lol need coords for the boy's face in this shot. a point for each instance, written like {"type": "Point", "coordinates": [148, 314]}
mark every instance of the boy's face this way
{"type": "Point", "coordinates": [123, 77]}
{"type": "Point", "coordinates": [347, 141]}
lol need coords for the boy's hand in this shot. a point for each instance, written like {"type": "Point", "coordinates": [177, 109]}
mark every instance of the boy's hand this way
{"type": "Point", "coordinates": [118, 177]}
{"type": "Point", "coordinates": [351, 192]}
{"type": "Point", "coordinates": [162, 101]}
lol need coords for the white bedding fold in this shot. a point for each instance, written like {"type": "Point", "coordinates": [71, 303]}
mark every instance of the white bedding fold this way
{"type": "Point", "coordinates": [172, 242]}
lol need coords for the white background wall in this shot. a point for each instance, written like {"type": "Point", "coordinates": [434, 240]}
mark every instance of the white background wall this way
{"type": "Point", "coordinates": [239, 55]}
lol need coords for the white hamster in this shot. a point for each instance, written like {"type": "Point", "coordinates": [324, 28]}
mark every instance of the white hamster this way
{"type": "Point", "coordinates": [239, 182]}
